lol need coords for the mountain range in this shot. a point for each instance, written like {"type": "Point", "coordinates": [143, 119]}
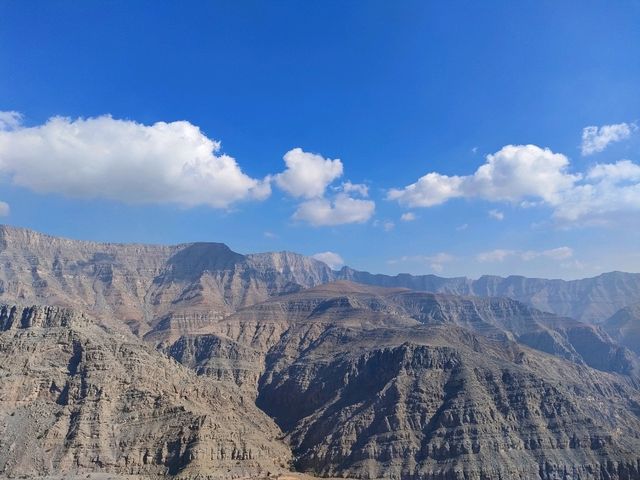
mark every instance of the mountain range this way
{"type": "Point", "coordinates": [194, 361]}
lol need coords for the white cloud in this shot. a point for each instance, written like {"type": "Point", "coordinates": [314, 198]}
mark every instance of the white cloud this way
{"type": "Point", "coordinates": [432, 189]}
{"type": "Point", "coordinates": [10, 120]}
{"type": "Point", "coordinates": [340, 210]}
{"type": "Point", "coordinates": [127, 161]}
{"type": "Point", "coordinates": [496, 215]}
{"type": "Point", "coordinates": [332, 259]}
{"type": "Point", "coordinates": [5, 210]}
{"type": "Point", "coordinates": [607, 189]}
{"type": "Point", "coordinates": [497, 255]}
{"type": "Point", "coordinates": [307, 174]}
{"type": "Point", "coordinates": [356, 188]}
{"type": "Point", "coordinates": [596, 139]}
{"type": "Point", "coordinates": [388, 225]}
{"type": "Point", "coordinates": [530, 176]}
{"type": "Point", "coordinates": [435, 262]}
{"type": "Point", "coordinates": [514, 173]}
{"type": "Point", "coordinates": [462, 228]}
{"type": "Point", "coordinates": [408, 217]}
{"type": "Point", "coordinates": [270, 235]}
{"type": "Point", "coordinates": [623, 170]}
{"type": "Point", "coordinates": [500, 255]}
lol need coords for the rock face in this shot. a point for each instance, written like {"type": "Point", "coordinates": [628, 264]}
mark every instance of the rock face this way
{"type": "Point", "coordinates": [76, 398]}
{"type": "Point", "coordinates": [624, 327]}
{"type": "Point", "coordinates": [505, 318]}
{"type": "Point", "coordinates": [431, 402]}
{"type": "Point", "coordinates": [382, 383]}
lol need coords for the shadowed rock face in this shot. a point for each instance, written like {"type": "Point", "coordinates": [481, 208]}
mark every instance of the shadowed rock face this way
{"type": "Point", "coordinates": [75, 398]}
{"type": "Point", "coordinates": [434, 403]}
{"type": "Point", "coordinates": [624, 327]}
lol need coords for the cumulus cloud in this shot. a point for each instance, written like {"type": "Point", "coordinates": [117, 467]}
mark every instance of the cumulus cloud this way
{"type": "Point", "coordinates": [356, 188]}
{"type": "Point", "coordinates": [123, 160]}
{"type": "Point", "coordinates": [5, 210]}
{"type": "Point", "coordinates": [496, 215]}
{"type": "Point", "coordinates": [332, 259]}
{"type": "Point", "coordinates": [10, 120]}
{"type": "Point", "coordinates": [307, 174]}
{"type": "Point", "coordinates": [513, 173]}
{"type": "Point", "coordinates": [608, 188]}
{"type": "Point", "coordinates": [530, 176]}
{"type": "Point", "coordinates": [337, 211]}
{"type": "Point", "coordinates": [596, 139]}
{"type": "Point", "coordinates": [500, 255]}
{"type": "Point", "coordinates": [432, 189]}
{"type": "Point", "coordinates": [408, 217]}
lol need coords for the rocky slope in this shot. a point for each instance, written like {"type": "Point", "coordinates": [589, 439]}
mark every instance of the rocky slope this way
{"type": "Point", "coordinates": [624, 327]}
{"type": "Point", "coordinates": [385, 383]}
{"type": "Point", "coordinates": [76, 398]}
{"type": "Point", "coordinates": [160, 291]}
{"type": "Point", "coordinates": [439, 403]}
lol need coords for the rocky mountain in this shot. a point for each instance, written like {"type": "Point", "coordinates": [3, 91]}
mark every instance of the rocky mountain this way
{"type": "Point", "coordinates": [164, 290]}
{"type": "Point", "coordinates": [198, 362]}
{"type": "Point", "coordinates": [76, 398]}
{"type": "Point", "coordinates": [387, 383]}
{"type": "Point", "coordinates": [624, 327]}
{"type": "Point", "coordinates": [440, 403]}
{"type": "Point", "coordinates": [152, 289]}
{"type": "Point", "coordinates": [591, 300]}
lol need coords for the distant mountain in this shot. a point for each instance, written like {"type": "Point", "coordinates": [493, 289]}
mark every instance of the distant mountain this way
{"type": "Point", "coordinates": [160, 290]}
{"type": "Point", "coordinates": [624, 327]}
{"type": "Point", "coordinates": [148, 288]}
{"type": "Point", "coordinates": [590, 300]}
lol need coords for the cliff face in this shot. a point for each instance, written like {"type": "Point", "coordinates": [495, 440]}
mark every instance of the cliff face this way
{"type": "Point", "coordinates": [75, 398]}
{"type": "Point", "coordinates": [438, 403]}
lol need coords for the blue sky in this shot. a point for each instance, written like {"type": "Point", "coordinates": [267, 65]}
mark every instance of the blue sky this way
{"type": "Point", "coordinates": [362, 99]}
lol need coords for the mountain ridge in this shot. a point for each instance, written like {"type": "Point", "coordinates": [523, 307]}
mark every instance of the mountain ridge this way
{"type": "Point", "coordinates": [592, 299]}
